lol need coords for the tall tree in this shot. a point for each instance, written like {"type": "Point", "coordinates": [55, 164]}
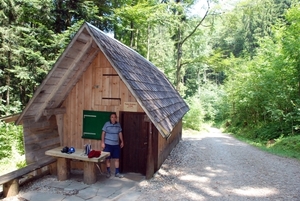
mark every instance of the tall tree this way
{"type": "Point", "coordinates": [181, 36]}
{"type": "Point", "coordinates": [291, 41]}
{"type": "Point", "coordinates": [264, 91]}
{"type": "Point", "coordinates": [69, 12]}
{"type": "Point", "coordinates": [9, 10]}
{"type": "Point", "coordinates": [30, 42]}
{"type": "Point", "coordinates": [241, 29]}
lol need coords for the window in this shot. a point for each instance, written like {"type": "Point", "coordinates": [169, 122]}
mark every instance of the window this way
{"type": "Point", "coordinates": [93, 122]}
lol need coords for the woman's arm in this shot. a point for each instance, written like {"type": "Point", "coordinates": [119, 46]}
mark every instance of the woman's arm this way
{"type": "Point", "coordinates": [102, 140]}
{"type": "Point", "coordinates": [121, 139]}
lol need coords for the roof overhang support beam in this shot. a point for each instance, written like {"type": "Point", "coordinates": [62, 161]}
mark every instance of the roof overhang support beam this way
{"type": "Point", "coordinates": [54, 111]}
{"type": "Point", "coordinates": [63, 79]}
{"type": "Point", "coordinates": [79, 73]}
{"type": "Point", "coordinates": [59, 115]}
{"type": "Point", "coordinates": [10, 118]}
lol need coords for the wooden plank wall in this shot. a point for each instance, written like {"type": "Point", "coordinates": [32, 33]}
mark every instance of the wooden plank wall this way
{"type": "Point", "coordinates": [165, 146]}
{"type": "Point", "coordinates": [39, 137]}
{"type": "Point", "coordinates": [99, 89]}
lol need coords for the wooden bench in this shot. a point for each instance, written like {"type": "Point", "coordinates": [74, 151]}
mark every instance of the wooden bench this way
{"type": "Point", "coordinates": [11, 181]}
{"type": "Point", "coordinates": [63, 164]}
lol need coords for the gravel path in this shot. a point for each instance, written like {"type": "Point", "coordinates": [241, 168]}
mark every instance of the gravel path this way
{"type": "Point", "coordinates": [212, 166]}
{"type": "Point", "coordinates": [215, 166]}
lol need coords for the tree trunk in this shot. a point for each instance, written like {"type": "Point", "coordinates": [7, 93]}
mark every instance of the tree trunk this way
{"type": "Point", "coordinates": [131, 34]}
{"type": "Point", "coordinates": [178, 64]}
{"type": "Point", "coordinates": [148, 42]}
{"type": "Point", "coordinates": [8, 90]}
{"type": "Point", "coordinates": [180, 41]}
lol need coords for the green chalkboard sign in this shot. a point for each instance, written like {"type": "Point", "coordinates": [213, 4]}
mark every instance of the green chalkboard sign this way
{"type": "Point", "coordinates": [93, 122]}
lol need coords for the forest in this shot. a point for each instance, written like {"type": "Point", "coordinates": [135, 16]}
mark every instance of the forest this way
{"type": "Point", "coordinates": [236, 63]}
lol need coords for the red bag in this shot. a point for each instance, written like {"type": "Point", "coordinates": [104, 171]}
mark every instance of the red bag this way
{"type": "Point", "coordinates": [94, 153]}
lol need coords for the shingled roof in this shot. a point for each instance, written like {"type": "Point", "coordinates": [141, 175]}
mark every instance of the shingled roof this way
{"type": "Point", "coordinates": [156, 95]}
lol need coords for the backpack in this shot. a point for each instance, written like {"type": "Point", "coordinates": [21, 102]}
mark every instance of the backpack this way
{"type": "Point", "coordinates": [65, 150]}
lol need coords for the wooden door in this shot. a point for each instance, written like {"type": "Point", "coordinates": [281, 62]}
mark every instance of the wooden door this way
{"type": "Point", "coordinates": [135, 134]}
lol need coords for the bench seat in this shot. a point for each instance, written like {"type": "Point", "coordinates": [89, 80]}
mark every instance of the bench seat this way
{"type": "Point", "coordinates": [10, 180]}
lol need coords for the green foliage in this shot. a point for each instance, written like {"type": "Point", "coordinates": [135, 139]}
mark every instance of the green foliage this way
{"type": "Point", "coordinates": [268, 132]}
{"type": "Point", "coordinates": [283, 146]}
{"type": "Point", "coordinates": [291, 143]}
{"type": "Point", "coordinates": [248, 22]}
{"type": "Point", "coordinates": [21, 164]}
{"type": "Point", "coordinates": [262, 101]}
{"type": "Point", "coordinates": [204, 106]}
{"type": "Point", "coordinates": [33, 35]}
{"type": "Point", "coordinates": [9, 164]}
{"type": "Point", "coordinates": [241, 66]}
{"type": "Point", "coordinates": [11, 140]}
{"type": "Point", "coordinates": [210, 95]}
{"type": "Point", "coordinates": [195, 116]}
{"type": "Point", "coordinates": [5, 144]}
{"type": "Point", "coordinates": [264, 132]}
{"type": "Point", "coordinates": [265, 90]}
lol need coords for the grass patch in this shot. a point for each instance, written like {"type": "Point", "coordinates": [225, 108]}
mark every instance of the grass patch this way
{"type": "Point", "coordinates": [12, 163]}
{"type": "Point", "coordinates": [283, 146]}
{"type": "Point", "coordinates": [286, 146]}
{"type": "Point", "coordinates": [205, 127]}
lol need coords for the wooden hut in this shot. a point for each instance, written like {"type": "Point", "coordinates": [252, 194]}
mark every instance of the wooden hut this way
{"type": "Point", "coordinates": [94, 76]}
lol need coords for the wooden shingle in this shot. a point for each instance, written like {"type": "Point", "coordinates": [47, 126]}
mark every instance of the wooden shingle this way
{"type": "Point", "coordinates": [162, 103]}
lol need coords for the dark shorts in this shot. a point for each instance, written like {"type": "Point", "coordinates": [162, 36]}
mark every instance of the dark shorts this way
{"type": "Point", "coordinates": [114, 151]}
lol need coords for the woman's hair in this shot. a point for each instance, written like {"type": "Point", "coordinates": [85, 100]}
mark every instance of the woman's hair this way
{"type": "Point", "coordinates": [113, 113]}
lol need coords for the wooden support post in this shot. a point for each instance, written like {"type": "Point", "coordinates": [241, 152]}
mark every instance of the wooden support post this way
{"type": "Point", "coordinates": [11, 188]}
{"type": "Point", "coordinates": [150, 159]}
{"type": "Point", "coordinates": [60, 125]}
{"type": "Point", "coordinates": [89, 173]}
{"type": "Point", "coordinates": [63, 169]}
{"type": "Point", "coordinates": [53, 168]}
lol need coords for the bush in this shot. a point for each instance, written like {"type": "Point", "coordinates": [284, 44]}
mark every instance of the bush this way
{"type": "Point", "coordinates": [204, 106]}
{"type": "Point", "coordinates": [11, 139]}
{"type": "Point", "coordinates": [5, 145]}
{"type": "Point", "coordinates": [195, 117]}
{"type": "Point", "coordinates": [289, 143]}
{"type": "Point", "coordinates": [210, 97]}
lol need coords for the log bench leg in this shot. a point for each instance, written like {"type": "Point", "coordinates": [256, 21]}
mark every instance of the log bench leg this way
{"type": "Point", "coordinates": [89, 173]}
{"type": "Point", "coordinates": [11, 188]}
{"type": "Point", "coordinates": [63, 169]}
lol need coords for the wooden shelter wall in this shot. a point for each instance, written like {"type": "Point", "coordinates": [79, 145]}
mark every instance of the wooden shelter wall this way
{"type": "Point", "coordinates": [39, 137]}
{"type": "Point", "coordinates": [99, 89]}
{"type": "Point", "coordinates": [165, 146]}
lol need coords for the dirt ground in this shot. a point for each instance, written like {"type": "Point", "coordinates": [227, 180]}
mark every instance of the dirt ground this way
{"type": "Point", "coordinates": [215, 166]}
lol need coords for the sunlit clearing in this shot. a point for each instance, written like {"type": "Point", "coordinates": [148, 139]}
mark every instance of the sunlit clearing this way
{"type": "Point", "coordinates": [255, 192]}
{"type": "Point", "coordinates": [201, 183]}
{"type": "Point", "coordinates": [215, 170]}
{"type": "Point", "coordinates": [190, 177]}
